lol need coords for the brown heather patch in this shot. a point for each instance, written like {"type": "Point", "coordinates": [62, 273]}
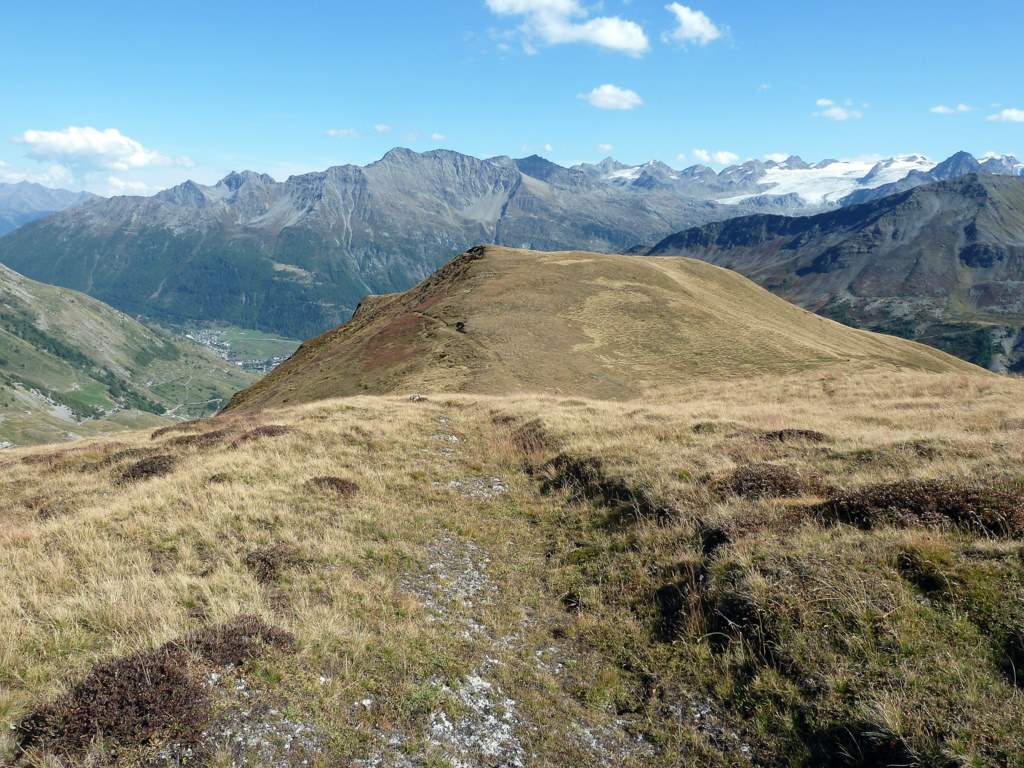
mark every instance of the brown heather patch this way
{"type": "Point", "coordinates": [128, 701]}
{"type": "Point", "coordinates": [339, 486]}
{"type": "Point", "coordinates": [148, 696]}
{"type": "Point", "coordinates": [116, 457]}
{"type": "Point", "coordinates": [200, 440]}
{"type": "Point", "coordinates": [239, 640]}
{"type": "Point", "coordinates": [45, 459]}
{"type": "Point", "coordinates": [150, 467]}
{"type": "Point", "coordinates": [794, 435]}
{"type": "Point", "coordinates": [268, 563]}
{"type": "Point", "coordinates": [267, 430]}
{"type": "Point", "coordinates": [48, 507]}
{"type": "Point", "coordinates": [764, 481]}
{"type": "Point", "coordinates": [184, 426]}
{"type": "Point", "coordinates": [994, 508]}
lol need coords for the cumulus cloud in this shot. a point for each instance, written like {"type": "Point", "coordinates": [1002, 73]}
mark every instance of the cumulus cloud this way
{"type": "Point", "coordinates": [566, 21]}
{"type": "Point", "coordinates": [838, 112]}
{"type": "Point", "coordinates": [610, 96]}
{"type": "Point", "coordinates": [942, 109]}
{"type": "Point", "coordinates": [549, 148]}
{"type": "Point", "coordinates": [88, 147]}
{"type": "Point", "coordinates": [438, 137]}
{"type": "Point", "coordinates": [1007, 116]}
{"type": "Point", "coordinates": [719, 157]}
{"type": "Point", "coordinates": [342, 133]}
{"type": "Point", "coordinates": [382, 128]}
{"type": "Point", "coordinates": [692, 26]}
{"type": "Point", "coordinates": [606, 148]}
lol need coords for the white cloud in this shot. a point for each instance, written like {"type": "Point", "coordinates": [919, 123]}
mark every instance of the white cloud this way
{"type": "Point", "coordinates": [610, 96]}
{"type": "Point", "coordinates": [1007, 116]}
{"type": "Point", "coordinates": [764, 87]}
{"type": "Point", "coordinates": [942, 109]}
{"type": "Point", "coordinates": [681, 157]}
{"type": "Point", "coordinates": [720, 157]}
{"type": "Point", "coordinates": [53, 176]}
{"type": "Point", "coordinates": [566, 21]}
{"type": "Point", "coordinates": [342, 133]}
{"type": "Point", "coordinates": [118, 186]}
{"type": "Point", "coordinates": [438, 137]}
{"type": "Point", "coordinates": [382, 128]}
{"type": "Point", "coordinates": [692, 26]}
{"type": "Point", "coordinates": [776, 157]}
{"type": "Point", "coordinates": [549, 148]}
{"type": "Point", "coordinates": [87, 147]}
{"type": "Point", "coordinates": [840, 113]}
{"type": "Point", "coordinates": [606, 148]}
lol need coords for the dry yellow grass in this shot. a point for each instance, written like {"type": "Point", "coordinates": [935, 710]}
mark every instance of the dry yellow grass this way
{"type": "Point", "coordinates": [448, 580]}
{"type": "Point", "coordinates": [579, 324]}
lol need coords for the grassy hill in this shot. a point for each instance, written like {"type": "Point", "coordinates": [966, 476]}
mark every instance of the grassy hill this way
{"type": "Point", "coordinates": [820, 569]}
{"type": "Point", "coordinates": [582, 324]}
{"type": "Point", "coordinates": [70, 365]}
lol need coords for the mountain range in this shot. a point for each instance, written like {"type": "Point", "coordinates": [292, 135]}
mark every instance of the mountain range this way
{"type": "Point", "coordinates": [296, 257]}
{"type": "Point", "coordinates": [24, 202]}
{"type": "Point", "coordinates": [941, 262]}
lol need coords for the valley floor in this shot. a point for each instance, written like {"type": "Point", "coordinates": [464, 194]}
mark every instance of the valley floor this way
{"type": "Point", "coordinates": [529, 581]}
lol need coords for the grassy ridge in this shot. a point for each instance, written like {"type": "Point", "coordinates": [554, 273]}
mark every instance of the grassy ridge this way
{"type": "Point", "coordinates": [451, 599]}
{"type": "Point", "coordinates": [500, 320]}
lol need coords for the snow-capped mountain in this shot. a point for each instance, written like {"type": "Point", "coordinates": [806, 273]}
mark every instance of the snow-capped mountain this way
{"type": "Point", "coordinates": [795, 186]}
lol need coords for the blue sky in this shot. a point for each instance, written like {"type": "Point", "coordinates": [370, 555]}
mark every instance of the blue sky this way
{"type": "Point", "coordinates": [195, 89]}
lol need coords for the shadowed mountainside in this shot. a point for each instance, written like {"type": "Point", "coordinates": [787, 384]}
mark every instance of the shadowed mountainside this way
{"type": "Point", "coordinates": [942, 263]}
